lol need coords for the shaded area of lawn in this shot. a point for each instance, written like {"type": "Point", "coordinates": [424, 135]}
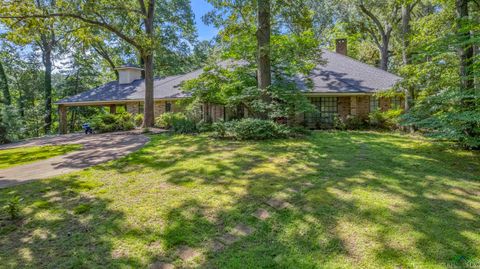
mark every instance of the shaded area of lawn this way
{"type": "Point", "coordinates": [19, 156]}
{"type": "Point", "coordinates": [376, 200]}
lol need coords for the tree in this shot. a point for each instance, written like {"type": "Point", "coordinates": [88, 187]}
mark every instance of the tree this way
{"type": "Point", "coordinates": [465, 48]}
{"type": "Point", "coordinates": [407, 8]}
{"type": "Point", "coordinates": [378, 12]}
{"type": "Point", "coordinates": [263, 44]}
{"type": "Point", "coordinates": [113, 16]}
{"type": "Point", "coordinates": [7, 99]}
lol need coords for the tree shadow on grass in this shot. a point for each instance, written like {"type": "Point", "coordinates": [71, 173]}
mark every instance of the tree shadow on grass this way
{"type": "Point", "coordinates": [61, 226]}
{"type": "Point", "coordinates": [375, 201]}
{"type": "Point", "coordinates": [356, 200]}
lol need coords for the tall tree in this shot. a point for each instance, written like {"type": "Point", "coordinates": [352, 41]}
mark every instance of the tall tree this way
{"type": "Point", "coordinates": [383, 16]}
{"type": "Point", "coordinates": [407, 8]}
{"type": "Point", "coordinates": [133, 22]}
{"type": "Point", "coordinates": [6, 98]}
{"type": "Point", "coordinates": [264, 72]}
{"type": "Point", "coordinates": [465, 48]}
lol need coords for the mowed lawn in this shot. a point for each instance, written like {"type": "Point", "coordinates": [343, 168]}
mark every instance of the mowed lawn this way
{"type": "Point", "coordinates": [355, 200]}
{"type": "Point", "coordinates": [23, 155]}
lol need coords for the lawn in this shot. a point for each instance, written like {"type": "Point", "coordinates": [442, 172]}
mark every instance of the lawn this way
{"type": "Point", "coordinates": [19, 156]}
{"type": "Point", "coordinates": [355, 200]}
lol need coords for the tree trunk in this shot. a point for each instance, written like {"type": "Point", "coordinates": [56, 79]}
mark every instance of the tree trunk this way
{"type": "Point", "coordinates": [406, 55]}
{"type": "Point", "coordinates": [147, 56]}
{"type": "Point", "coordinates": [47, 61]}
{"type": "Point", "coordinates": [384, 52]}
{"type": "Point", "coordinates": [7, 99]}
{"type": "Point", "coordinates": [465, 51]}
{"type": "Point", "coordinates": [263, 45]}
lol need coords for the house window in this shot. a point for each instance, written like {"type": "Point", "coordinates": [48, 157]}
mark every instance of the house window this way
{"type": "Point", "coordinates": [395, 102]}
{"type": "Point", "coordinates": [327, 109]}
{"type": "Point", "coordinates": [168, 107]}
{"type": "Point", "coordinates": [140, 108]}
{"type": "Point", "coordinates": [374, 103]}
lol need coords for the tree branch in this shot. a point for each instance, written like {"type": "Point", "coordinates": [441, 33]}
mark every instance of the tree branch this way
{"type": "Point", "coordinates": [105, 25]}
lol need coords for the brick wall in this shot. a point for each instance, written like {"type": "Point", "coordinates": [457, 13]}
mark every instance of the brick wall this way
{"type": "Point", "coordinates": [343, 106]}
{"type": "Point", "coordinates": [363, 106]}
{"type": "Point", "coordinates": [132, 108]}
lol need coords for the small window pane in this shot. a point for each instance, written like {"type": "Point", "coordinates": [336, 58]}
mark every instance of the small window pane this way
{"type": "Point", "coordinates": [374, 103]}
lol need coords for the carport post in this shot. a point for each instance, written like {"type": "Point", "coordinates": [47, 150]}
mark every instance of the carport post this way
{"type": "Point", "coordinates": [62, 113]}
{"type": "Point", "coordinates": [113, 109]}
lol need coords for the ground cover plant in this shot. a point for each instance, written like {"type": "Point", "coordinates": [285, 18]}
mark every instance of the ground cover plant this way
{"type": "Point", "coordinates": [19, 156]}
{"type": "Point", "coordinates": [349, 199]}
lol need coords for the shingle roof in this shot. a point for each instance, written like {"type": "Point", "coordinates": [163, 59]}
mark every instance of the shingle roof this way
{"type": "Point", "coordinates": [340, 74]}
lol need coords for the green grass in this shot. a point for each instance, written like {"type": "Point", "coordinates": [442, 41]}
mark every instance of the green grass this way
{"type": "Point", "coordinates": [19, 156]}
{"type": "Point", "coordinates": [377, 201]}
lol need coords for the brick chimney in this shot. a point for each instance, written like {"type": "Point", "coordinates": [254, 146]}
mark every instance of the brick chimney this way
{"type": "Point", "coordinates": [341, 46]}
{"type": "Point", "coordinates": [128, 73]}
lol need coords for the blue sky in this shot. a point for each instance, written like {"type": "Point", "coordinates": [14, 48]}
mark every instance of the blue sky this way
{"type": "Point", "coordinates": [200, 7]}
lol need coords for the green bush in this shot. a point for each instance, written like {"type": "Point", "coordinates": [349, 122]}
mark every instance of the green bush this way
{"type": "Point", "coordinates": [254, 129]}
{"type": "Point", "coordinates": [385, 120]}
{"type": "Point", "coordinates": [166, 120]}
{"type": "Point", "coordinates": [203, 126]}
{"type": "Point", "coordinates": [113, 122]}
{"type": "Point", "coordinates": [349, 123]}
{"type": "Point", "coordinates": [138, 120]}
{"type": "Point", "coordinates": [184, 126]}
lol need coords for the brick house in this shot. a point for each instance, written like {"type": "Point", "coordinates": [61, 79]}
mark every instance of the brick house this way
{"type": "Point", "coordinates": [339, 86]}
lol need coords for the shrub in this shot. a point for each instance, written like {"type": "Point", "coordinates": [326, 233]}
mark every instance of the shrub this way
{"type": "Point", "coordinates": [385, 120]}
{"type": "Point", "coordinates": [113, 122]}
{"type": "Point", "coordinates": [349, 123]}
{"type": "Point", "coordinates": [183, 126]}
{"type": "Point", "coordinates": [203, 126]}
{"type": "Point", "coordinates": [138, 120]}
{"type": "Point", "coordinates": [166, 120]}
{"type": "Point", "coordinates": [254, 129]}
{"type": "Point", "coordinates": [13, 207]}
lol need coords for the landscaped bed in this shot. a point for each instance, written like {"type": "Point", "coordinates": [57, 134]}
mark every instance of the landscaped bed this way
{"type": "Point", "coordinates": [18, 156]}
{"type": "Point", "coordinates": [332, 200]}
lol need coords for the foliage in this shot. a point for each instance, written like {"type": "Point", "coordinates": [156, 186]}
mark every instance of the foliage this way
{"type": "Point", "coordinates": [203, 126]}
{"type": "Point", "coordinates": [167, 119]}
{"type": "Point", "coordinates": [184, 126]}
{"type": "Point", "coordinates": [254, 129]}
{"type": "Point", "coordinates": [104, 123]}
{"type": "Point", "coordinates": [13, 207]}
{"type": "Point", "coordinates": [234, 85]}
{"type": "Point", "coordinates": [389, 119]}
{"type": "Point", "coordinates": [444, 116]}
{"type": "Point", "coordinates": [138, 119]}
{"type": "Point", "coordinates": [349, 123]}
{"type": "Point", "coordinates": [177, 122]}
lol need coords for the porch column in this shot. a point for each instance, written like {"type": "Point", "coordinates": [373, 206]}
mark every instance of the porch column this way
{"type": "Point", "coordinates": [113, 109]}
{"type": "Point", "coordinates": [62, 113]}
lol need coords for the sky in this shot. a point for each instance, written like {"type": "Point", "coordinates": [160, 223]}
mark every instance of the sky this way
{"type": "Point", "coordinates": [200, 8]}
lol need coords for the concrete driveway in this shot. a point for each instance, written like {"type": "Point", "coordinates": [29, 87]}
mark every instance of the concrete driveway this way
{"type": "Point", "coordinates": [98, 148]}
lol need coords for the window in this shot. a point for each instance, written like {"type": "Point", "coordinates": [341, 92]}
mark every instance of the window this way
{"type": "Point", "coordinates": [327, 109]}
{"type": "Point", "coordinates": [395, 102]}
{"type": "Point", "coordinates": [168, 107]}
{"type": "Point", "coordinates": [140, 108]}
{"type": "Point", "coordinates": [374, 104]}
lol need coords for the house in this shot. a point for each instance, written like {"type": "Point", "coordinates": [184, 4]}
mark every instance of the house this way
{"type": "Point", "coordinates": [341, 86]}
